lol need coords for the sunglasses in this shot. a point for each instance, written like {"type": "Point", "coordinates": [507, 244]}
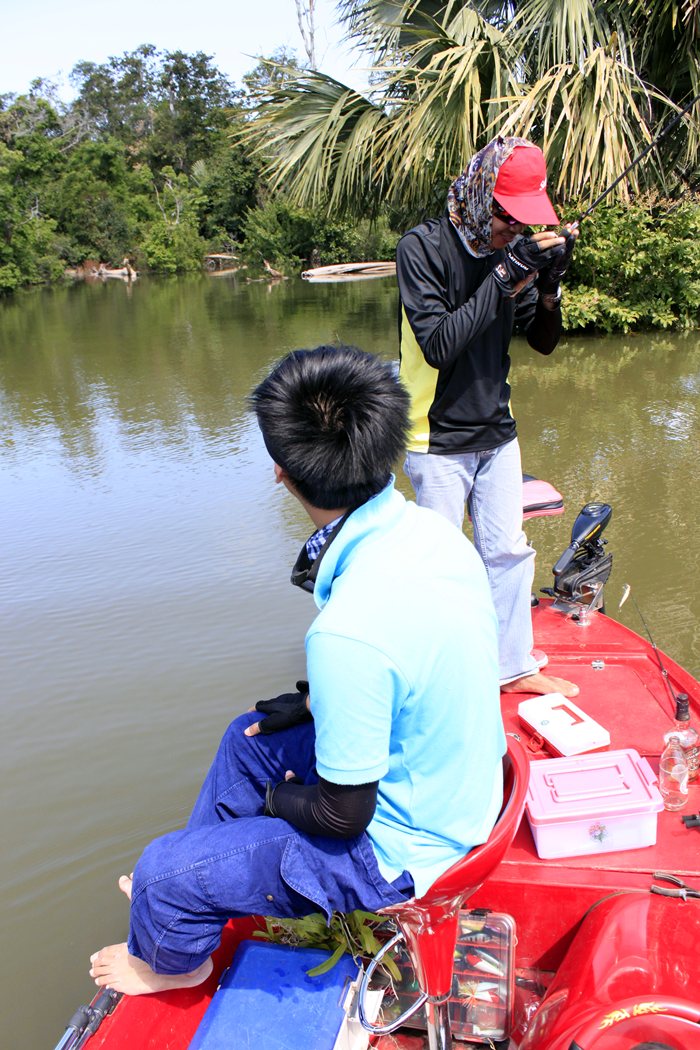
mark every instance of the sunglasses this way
{"type": "Point", "coordinates": [501, 214]}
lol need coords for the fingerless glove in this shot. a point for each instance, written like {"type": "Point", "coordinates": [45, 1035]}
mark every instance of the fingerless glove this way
{"type": "Point", "coordinates": [522, 258]}
{"type": "Point", "coordinates": [288, 709]}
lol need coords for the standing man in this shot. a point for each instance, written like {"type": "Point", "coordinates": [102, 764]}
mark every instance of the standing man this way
{"type": "Point", "coordinates": [465, 281]}
{"type": "Point", "coordinates": [361, 788]}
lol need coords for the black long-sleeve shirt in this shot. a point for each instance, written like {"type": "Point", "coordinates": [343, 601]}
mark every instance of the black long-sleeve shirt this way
{"type": "Point", "coordinates": [455, 329]}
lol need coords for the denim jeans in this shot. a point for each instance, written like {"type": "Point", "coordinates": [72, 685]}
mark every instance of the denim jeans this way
{"type": "Point", "coordinates": [490, 483]}
{"type": "Point", "coordinates": [231, 860]}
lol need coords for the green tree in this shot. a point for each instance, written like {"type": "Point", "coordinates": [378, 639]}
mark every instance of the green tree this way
{"type": "Point", "coordinates": [195, 102]}
{"type": "Point", "coordinates": [636, 267]}
{"type": "Point", "coordinates": [112, 174]}
{"type": "Point", "coordinates": [172, 243]}
{"type": "Point", "coordinates": [93, 202]}
{"type": "Point", "coordinates": [29, 248]}
{"type": "Point", "coordinates": [269, 74]}
{"type": "Point", "coordinates": [575, 75]}
{"type": "Point", "coordinates": [291, 238]}
{"type": "Point", "coordinates": [166, 105]}
{"type": "Point", "coordinates": [229, 182]}
{"type": "Point", "coordinates": [118, 97]}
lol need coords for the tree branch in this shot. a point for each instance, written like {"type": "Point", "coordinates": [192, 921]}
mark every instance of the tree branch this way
{"type": "Point", "coordinates": [305, 18]}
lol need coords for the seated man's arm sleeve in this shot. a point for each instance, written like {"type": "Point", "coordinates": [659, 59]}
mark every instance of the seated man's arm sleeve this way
{"type": "Point", "coordinates": [442, 332]}
{"type": "Point", "coordinates": [338, 810]}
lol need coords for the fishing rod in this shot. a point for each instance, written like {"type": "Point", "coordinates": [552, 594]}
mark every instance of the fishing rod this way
{"type": "Point", "coordinates": [662, 134]}
{"type": "Point", "coordinates": [87, 1019]}
{"type": "Point", "coordinates": [626, 592]}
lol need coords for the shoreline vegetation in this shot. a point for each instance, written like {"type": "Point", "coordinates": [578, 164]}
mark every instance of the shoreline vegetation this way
{"type": "Point", "coordinates": [161, 165]}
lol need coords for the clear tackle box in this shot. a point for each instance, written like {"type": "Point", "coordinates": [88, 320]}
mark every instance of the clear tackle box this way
{"type": "Point", "coordinates": [483, 980]}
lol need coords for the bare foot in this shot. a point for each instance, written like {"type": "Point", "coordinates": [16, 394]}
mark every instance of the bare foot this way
{"type": "Point", "coordinates": [541, 683]}
{"type": "Point", "coordinates": [126, 883]}
{"type": "Point", "coordinates": [113, 967]}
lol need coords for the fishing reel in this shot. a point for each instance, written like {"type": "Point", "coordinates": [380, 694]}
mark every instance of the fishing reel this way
{"type": "Point", "coordinates": [582, 571]}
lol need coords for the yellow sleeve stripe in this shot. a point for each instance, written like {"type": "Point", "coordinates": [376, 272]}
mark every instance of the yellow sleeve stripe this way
{"type": "Point", "coordinates": [420, 379]}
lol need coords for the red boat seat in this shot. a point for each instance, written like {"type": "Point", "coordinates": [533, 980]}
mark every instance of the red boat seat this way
{"type": "Point", "coordinates": [429, 924]}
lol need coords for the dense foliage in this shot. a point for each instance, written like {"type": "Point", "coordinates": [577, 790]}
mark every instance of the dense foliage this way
{"type": "Point", "coordinates": [636, 267]}
{"type": "Point", "coordinates": [113, 173]}
{"type": "Point", "coordinates": [145, 164]}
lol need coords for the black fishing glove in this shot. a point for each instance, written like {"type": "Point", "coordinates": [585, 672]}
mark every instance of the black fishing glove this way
{"type": "Point", "coordinates": [522, 258]}
{"type": "Point", "coordinates": [288, 709]}
{"type": "Point", "coordinates": [549, 278]}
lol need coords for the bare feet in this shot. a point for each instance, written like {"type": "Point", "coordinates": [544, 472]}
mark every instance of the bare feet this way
{"type": "Point", "coordinates": [541, 683]}
{"type": "Point", "coordinates": [113, 967]}
{"type": "Point", "coordinates": [126, 883]}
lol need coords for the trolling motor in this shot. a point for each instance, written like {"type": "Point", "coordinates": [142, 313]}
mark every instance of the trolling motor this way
{"type": "Point", "coordinates": [583, 569]}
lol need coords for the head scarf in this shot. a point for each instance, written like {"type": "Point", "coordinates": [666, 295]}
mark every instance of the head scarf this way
{"type": "Point", "coordinates": [470, 197]}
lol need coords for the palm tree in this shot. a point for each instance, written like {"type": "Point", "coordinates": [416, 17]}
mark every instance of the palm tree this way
{"type": "Point", "coordinates": [591, 82]}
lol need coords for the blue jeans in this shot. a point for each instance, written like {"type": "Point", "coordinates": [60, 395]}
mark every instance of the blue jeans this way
{"type": "Point", "coordinates": [491, 483]}
{"type": "Point", "coordinates": [231, 860]}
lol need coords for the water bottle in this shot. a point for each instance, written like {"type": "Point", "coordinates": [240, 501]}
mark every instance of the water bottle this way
{"type": "Point", "coordinates": [687, 734]}
{"type": "Point", "coordinates": [673, 774]}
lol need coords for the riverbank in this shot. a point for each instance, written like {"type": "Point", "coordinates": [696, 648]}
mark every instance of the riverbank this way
{"type": "Point", "coordinates": [635, 269]}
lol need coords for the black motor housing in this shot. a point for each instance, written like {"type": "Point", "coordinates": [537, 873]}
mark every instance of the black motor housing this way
{"type": "Point", "coordinates": [584, 564]}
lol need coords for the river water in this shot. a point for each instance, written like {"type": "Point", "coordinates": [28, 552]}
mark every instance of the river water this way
{"type": "Point", "coordinates": [145, 555]}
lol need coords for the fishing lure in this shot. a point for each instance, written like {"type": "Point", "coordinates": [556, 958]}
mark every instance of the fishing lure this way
{"type": "Point", "coordinates": [484, 961]}
{"type": "Point", "coordinates": [479, 991]}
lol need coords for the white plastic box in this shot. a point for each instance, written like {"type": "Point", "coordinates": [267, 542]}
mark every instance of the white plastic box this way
{"type": "Point", "coordinates": [564, 728]}
{"type": "Point", "coordinates": [594, 803]}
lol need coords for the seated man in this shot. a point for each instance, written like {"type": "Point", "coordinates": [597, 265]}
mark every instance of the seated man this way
{"type": "Point", "coordinates": [391, 771]}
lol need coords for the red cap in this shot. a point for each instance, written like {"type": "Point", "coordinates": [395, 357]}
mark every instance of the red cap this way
{"type": "Point", "coordinates": [521, 187]}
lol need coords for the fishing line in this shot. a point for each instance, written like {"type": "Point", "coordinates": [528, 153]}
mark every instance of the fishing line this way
{"type": "Point", "coordinates": [626, 593]}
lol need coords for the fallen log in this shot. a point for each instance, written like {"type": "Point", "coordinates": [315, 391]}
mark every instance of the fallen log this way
{"type": "Point", "coordinates": [350, 271]}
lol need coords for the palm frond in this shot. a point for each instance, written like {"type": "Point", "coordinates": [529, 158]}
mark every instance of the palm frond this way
{"type": "Point", "coordinates": [444, 95]}
{"type": "Point", "coordinates": [553, 32]}
{"type": "Point", "coordinates": [573, 75]}
{"type": "Point", "coordinates": [668, 45]}
{"type": "Point", "coordinates": [453, 84]}
{"type": "Point", "coordinates": [320, 139]}
{"type": "Point", "coordinates": [591, 121]}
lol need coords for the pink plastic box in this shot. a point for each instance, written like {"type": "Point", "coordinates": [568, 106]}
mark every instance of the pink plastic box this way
{"type": "Point", "coordinates": [593, 803]}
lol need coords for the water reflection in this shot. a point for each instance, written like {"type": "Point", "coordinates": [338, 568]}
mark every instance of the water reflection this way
{"type": "Point", "coordinates": [175, 352]}
{"type": "Point", "coordinates": [146, 551]}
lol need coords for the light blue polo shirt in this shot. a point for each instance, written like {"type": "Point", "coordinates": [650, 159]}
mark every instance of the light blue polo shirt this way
{"type": "Point", "coordinates": [403, 670]}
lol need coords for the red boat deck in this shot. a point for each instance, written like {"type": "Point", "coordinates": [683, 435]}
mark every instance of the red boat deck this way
{"type": "Point", "coordinates": [621, 686]}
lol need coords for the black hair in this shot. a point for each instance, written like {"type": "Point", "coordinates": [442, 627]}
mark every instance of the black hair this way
{"type": "Point", "coordinates": [336, 420]}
